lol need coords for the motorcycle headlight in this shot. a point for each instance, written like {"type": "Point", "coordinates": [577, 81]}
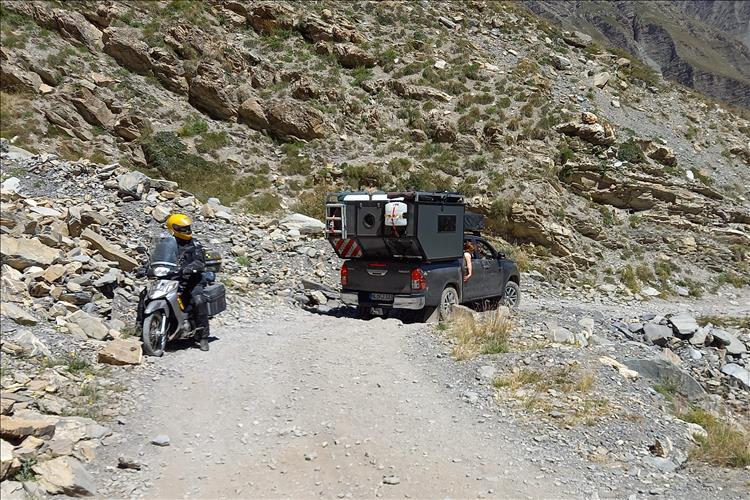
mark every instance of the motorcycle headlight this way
{"type": "Point", "coordinates": [161, 271]}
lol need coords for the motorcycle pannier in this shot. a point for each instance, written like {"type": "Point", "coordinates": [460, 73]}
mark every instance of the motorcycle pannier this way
{"type": "Point", "coordinates": [215, 298]}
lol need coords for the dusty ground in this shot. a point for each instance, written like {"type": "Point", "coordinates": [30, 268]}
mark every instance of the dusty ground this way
{"type": "Point", "coordinates": [294, 404]}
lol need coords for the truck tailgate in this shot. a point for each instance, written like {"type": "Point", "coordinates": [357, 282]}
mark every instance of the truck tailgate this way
{"type": "Point", "coordinates": [383, 277]}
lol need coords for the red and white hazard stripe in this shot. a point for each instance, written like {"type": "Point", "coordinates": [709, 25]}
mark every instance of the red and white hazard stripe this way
{"type": "Point", "coordinates": [347, 248]}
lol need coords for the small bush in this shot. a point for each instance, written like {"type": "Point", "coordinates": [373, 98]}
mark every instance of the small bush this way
{"type": "Point", "coordinates": [488, 335]}
{"type": "Point", "coordinates": [630, 151]}
{"type": "Point", "coordinates": [211, 141]}
{"type": "Point", "coordinates": [295, 162]}
{"type": "Point", "coordinates": [313, 203]}
{"type": "Point", "coordinates": [261, 204]}
{"type": "Point", "coordinates": [192, 126]}
{"type": "Point", "coordinates": [629, 278]}
{"type": "Point", "coordinates": [367, 176]}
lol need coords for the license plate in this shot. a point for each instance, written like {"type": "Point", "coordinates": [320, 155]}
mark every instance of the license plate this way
{"type": "Point", "coordinates": [381, 296]}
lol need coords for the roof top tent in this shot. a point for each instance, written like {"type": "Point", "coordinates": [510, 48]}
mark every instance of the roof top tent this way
{"type": "Point", "coordinates": [413, 225]}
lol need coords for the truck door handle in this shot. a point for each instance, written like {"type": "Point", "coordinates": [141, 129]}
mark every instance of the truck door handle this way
{"type": "Point", "coordinates": [377, 272]}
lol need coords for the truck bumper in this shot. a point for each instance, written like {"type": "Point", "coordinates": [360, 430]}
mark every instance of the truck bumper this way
{"type": "Point", "coordinates": [413, 302]}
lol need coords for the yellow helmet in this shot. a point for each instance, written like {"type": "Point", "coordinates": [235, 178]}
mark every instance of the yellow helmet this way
{"type": "Point", "coordinates": [179, 226]}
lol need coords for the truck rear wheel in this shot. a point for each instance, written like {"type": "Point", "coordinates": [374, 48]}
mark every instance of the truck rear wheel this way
{"type": "Point", "coordinates": [448, 299]}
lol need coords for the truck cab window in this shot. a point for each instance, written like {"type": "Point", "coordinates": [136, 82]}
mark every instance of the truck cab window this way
{"type": "Point", "coordinates": [484, 250]}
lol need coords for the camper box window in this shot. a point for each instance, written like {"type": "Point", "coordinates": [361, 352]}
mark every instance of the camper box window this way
{"type": "Point", "coordinates": [446, 223]}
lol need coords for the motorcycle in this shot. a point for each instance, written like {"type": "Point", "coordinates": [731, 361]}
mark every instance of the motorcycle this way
{"type": "Point", "coordinates": [162, 314]}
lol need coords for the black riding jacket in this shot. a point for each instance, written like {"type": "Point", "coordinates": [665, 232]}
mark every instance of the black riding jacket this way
{"type": "Point", "coordinates": [191, 259]}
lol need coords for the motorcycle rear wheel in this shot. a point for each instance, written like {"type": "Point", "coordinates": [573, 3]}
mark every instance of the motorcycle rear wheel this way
{"type": "Point", "coordinates": [154, 334]}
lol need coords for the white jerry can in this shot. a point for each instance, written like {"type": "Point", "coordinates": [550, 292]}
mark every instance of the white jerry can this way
{"type": "Point", "coordinates": [395, 214]}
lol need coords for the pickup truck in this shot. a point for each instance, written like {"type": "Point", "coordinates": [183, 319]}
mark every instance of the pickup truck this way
{"type": "Point", "coordinates": [429, 290]}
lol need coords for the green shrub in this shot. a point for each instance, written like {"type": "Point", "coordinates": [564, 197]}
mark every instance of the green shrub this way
{"type": "Point", "coordinates": [295, 162]}
{"type": "Point", "coordinates": [193, 125]}
{"type": "Point", "coordinates": [167, 154]}
{"type": "Point", "coordinates": [261, 204]}
{"type": "Point", "coordinates": [211, 141]}
{"type": "Point", "coordinates": [631, 151]}
{"type": "Point", "coordinates": [367, 176]}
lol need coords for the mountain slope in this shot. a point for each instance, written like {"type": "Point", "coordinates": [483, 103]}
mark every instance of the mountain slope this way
{"type": "Point", "coordinates": [704, 45]}
{"type": "Point", "coordinates": [590, 167]}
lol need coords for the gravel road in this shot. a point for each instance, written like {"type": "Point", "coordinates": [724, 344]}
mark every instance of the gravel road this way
{"type": "Point", "coordinates": [305, 405]}
{"type": "Point", "coordinates": [289, 403]}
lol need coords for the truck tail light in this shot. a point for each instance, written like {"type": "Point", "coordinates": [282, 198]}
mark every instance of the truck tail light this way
{"type": "Point", "coordinates": [418, 280]}
{"type": "Point", "coordinates": [344, 275]}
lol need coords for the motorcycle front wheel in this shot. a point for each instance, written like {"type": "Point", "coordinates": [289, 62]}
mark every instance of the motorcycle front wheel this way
{"type": "Point", "coordinates": [154, 334]}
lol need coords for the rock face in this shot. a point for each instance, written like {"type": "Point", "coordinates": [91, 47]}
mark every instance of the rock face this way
{"type": "Point", "coordinates": [92, 109]}
{"type": "Point", "coordinates": [723, 72]}
{"type": "Point", "coordinates": [65, 475]}
{"type": "Point", "coordinates": [121, 352]}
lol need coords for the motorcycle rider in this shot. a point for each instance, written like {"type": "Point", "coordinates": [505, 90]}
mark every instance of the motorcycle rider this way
{"type": "Point", "coordinates": [191, 265]}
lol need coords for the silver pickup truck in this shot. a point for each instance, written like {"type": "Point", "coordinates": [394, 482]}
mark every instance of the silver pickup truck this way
{"type": "Point", "coordinates": [405, 251]}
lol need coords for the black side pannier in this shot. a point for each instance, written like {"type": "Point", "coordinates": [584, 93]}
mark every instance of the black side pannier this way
{"type": "Point", "coordinates": [473, 223]}
{"type": "Point", "coordinates": [215, 298]}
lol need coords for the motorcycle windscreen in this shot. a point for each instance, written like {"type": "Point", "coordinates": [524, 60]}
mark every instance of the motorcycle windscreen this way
{"type": "Point", "coordinates": [164, 252]}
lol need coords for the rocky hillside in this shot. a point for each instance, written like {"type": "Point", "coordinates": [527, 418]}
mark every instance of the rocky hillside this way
{"type": "Point", "coordinates": [700, 44]}
{"type": "Point", "coordinates": [592, 168]}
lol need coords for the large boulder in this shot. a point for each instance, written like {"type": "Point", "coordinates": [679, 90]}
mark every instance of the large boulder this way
{"type": "Point", "coordinates": [65, 475]}
{"type": "Point", "coordinates": [92, 109]}
{"type": "Point", "coordinates": [665, 372]}
{"type": "Point", "coordinates": [109, 250]}
{"type": "Point", "coordinates": [351, 56]}
{"type": "Point", "coordinates": [418, 92]}
{"type": "Point", "coordinates": [168, 70]}
{"type": "Point", "coordinates": [303, 223]}
{"type": "Point", "coordinates": [121, 352]}
{"type": "Point", "coordinates": [210, 93]}
{"type": "Point", "coordinates": [90, 325]}
{"type": "Point", "coordinates": [267, 17]}
{"type": "Point", "coordinates": [737, 374]}
{"type": "Point", "coordinates": [133, 184]}
{"type": "Point", "coordinates": [20, 253]}
{"type": "Point", "coordinates": [71, 25]}
{"type": "Point", "coordinates": [251, 113]}
{"type": "Point", "coordinates": [17, 314]}
{"type": "Point", "coordinates": [290, 119]}
{"type": "Point", "coordinates": [124, 45]}
{"type": "Point", "coordinates": [15, 78]}
{"type": "Point", "coordinates": [331, 29]}
{"type": "Point", "coordinates": [15, 428]}
{"type": "Point", "coordinates": [6, 459]}
{"type": "Point", "coordinates": [590, 130]}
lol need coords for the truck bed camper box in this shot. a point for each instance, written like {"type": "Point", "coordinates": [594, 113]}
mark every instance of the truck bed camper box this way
{"type": "Point", "coordinates": [412, 225]}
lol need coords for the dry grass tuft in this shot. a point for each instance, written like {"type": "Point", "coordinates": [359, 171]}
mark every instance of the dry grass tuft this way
{"type": "Point", "coordinates": [724, 444]}
{"type": "Point", "coordinates": [565, 388]}
{"type": "Point", "coordinates": [487, 335]}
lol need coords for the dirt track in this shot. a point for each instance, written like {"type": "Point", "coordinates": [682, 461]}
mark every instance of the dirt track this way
{"type": "Point", "coordinates": [304, 405]}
